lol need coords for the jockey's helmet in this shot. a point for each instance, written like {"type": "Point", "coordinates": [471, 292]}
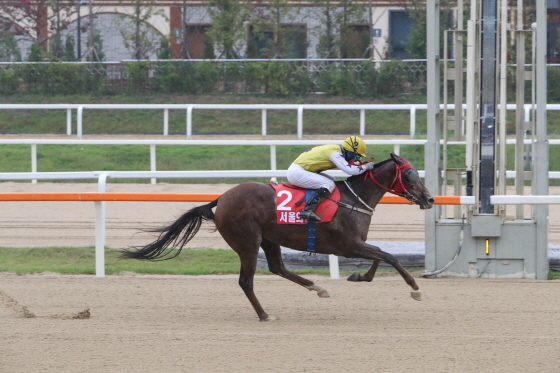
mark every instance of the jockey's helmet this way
{"type": "Point", "coordinates": [355, 145]}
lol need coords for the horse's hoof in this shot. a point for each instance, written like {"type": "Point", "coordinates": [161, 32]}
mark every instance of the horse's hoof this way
{"type": "Point", "coordinates": [269, 318]}
{"type": "Point", "coordinates": [416, 294]}
{"type": "Point", "coordinates": [321, 292]}
{"type": "Point", "coordinates": [353, 277]}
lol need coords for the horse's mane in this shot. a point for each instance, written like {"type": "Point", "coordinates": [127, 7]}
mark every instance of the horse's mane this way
{"type": "Point", "coordinates": [374, 167]}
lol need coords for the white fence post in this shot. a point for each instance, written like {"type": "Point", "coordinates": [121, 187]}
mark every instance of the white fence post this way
{"type": "Point", "coordinates": [412, 121]}
{"type": "Point", "coordinates": [34, 161]}
{"type": "Point", "coordinates": [300, 123]}
{"type": "Point", "coordinates": [362, 122]}
{"type": "Point", "coordinates": [273, 160]}
{"type": "Point", "coordinates": [189, 123]}
{"type": "Point", "coordinates": [100, 219]}
{"type": "Point", "coordinates": [263, 122]}
{"type": "Point", "coordinates": [333, 267]}
{"type": "Point", "coordinates": [153, 161]}
{"type": "Point", "coordinates": [165, 122]}
{"type": "Point", "coordinates": [79, 121]}
{"type": "Point", "coordinates": [69, 122]}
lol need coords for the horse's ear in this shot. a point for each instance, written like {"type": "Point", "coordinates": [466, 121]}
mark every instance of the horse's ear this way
{"type": "Point", "coordinates": [398, 160]}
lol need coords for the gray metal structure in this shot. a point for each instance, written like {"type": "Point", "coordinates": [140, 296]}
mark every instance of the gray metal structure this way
{"type": "Point", "coordinates": [497, 241]}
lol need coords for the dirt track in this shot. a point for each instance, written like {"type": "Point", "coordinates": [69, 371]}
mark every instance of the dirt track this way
{"type": "Point", "coordinates": [205, 324]}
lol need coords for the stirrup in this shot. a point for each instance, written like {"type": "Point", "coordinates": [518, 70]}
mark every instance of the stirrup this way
{"type": "Point", "coordinates": [309, 215]}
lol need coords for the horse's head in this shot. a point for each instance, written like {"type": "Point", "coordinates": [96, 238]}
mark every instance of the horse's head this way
{"type": "Point", "coordinates": [406, 183]}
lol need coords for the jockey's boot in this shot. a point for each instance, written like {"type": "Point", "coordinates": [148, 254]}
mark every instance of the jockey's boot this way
{"type": "Point", "coordinates": [308, 212]}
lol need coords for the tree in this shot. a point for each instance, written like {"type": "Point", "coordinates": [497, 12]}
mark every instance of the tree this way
{"type": "Point", "coordinates": [274, 29]}
{"type": "Point", "coordinates": [338, 38]}
{"type": "Point", "coordinates": [9, 50]}
{"type": "Point", "coordinates": [228, 26]}
{"type": "Point", "coordinates": [164, 51]}
{"type": "Point", "coordinates": [208, 51]}
{"type": "Point", "coordinates": [35, 19]}
{"type": "Point", "coordinates": [97, 53]}
{"type": "Point", "coordinates": [416, 9]}
{"type": "Point", "coordinates": [70, 49]}
{"type": "Point", "coordinates": [327, 45]}
{"type": "Point", "coordinates": [135, 31]}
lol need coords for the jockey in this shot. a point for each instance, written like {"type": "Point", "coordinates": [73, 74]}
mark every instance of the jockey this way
{"type": "Point", "coordinates": [307, 170]}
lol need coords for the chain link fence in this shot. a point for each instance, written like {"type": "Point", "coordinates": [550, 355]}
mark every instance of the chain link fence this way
{"type": "Point", "coordinates": [364, 78]}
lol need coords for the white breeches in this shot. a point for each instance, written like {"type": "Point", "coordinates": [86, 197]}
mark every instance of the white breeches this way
{"type": "Point", "coordinates": [300, 177]}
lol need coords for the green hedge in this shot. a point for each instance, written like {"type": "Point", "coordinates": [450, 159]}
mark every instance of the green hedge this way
{"type": "Point", "coordinates": [344, 78]}
{"type": "Point", "coordinates": [355, 78]}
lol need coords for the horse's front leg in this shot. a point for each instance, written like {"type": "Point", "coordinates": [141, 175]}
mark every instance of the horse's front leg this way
{"type": "Point", "coordinates": [374, 253]}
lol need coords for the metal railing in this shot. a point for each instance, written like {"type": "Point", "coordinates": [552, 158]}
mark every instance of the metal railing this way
{"type": "Point", "coordinates": [189, 109]}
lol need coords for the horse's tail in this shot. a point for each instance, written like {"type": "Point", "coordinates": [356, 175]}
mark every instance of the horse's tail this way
{"type": "Point", "coordinates": [173, 237]}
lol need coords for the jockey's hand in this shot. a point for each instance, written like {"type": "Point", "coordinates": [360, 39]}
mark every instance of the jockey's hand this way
{"type": "Point", "coordinates": [369, 166]}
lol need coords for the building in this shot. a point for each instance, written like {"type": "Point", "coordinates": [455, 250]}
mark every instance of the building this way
{"type": "Point", "coordinates": [376, 30]}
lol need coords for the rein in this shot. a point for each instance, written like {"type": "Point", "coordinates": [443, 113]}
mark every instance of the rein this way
{"type": "Point", "coordinates": [398, 186]}
{"type": "Point", "coordinates": [369, 210]}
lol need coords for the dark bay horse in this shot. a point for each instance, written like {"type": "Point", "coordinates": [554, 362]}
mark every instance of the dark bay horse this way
{"type": "Point", "coordinates": [245, 216]}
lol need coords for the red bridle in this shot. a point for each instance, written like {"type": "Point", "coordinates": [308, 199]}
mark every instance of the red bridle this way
{"type": "Point", "coordinates": [398, 186]}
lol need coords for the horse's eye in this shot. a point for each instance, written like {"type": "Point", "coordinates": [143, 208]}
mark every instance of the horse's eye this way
{"type": "Point", "coordinates": [411, 176]}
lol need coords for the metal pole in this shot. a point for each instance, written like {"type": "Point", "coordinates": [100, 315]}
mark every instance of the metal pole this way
{"type": "Point", "coordinates": [432, 149]}
{"type": "Point", "coordinates": [79, 31]}
{"type": "Point", "coordinates": [541, 157]}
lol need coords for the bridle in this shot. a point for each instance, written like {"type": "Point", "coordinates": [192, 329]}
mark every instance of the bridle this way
{"type": "Point", "coordinates": [398, 186]}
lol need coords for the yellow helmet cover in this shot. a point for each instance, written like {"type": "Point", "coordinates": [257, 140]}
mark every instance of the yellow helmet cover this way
{"type": "Point", "coordinates": [356, 145]}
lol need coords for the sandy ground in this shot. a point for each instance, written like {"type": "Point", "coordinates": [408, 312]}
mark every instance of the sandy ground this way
{"type": "Point", "coordinates": [205, 324]}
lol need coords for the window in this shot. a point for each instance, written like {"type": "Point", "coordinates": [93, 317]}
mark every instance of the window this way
{"type": "Point", "coordinates": [290, 42]}
{"type": "Point", "coordinates": [195, 40]}
{"type": "Point", "coordinates": [355, 42]}
{"type": "Point", "coordinates": [400, 25]}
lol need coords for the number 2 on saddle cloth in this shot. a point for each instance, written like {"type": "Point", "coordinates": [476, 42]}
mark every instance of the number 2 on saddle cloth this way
{"type": "Point", "coordinates": [287, 212]}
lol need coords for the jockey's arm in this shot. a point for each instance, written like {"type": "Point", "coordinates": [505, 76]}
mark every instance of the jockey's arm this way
{"type": "Point", "coordinates": [338, 159]}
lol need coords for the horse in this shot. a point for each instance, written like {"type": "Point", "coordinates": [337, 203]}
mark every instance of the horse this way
{"type": "Point", "coordinates": [245, 217]}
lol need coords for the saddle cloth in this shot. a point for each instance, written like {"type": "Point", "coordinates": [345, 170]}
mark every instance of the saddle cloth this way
{"type": "Point", "coordinates": [288, 213]}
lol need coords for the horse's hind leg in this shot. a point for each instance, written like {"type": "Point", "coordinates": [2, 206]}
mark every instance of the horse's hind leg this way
{"type": "Point", "coordinates": [367, 251]}
{"type": "Point", "coordinates": [246, 276]}
{"type": "Point", "coordinates": [368, 276]}
{"type": "Point", "coordinates": [276, 266]}
{"type": "Point", "coordinates": [246, 244]}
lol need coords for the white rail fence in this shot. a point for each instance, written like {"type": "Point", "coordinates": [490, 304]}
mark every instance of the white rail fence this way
{"type": "Point", "coordinates": [102, 176]}
{"type": "Point", "coordinates": [189, 109]}
{"type": "Point", "coordinates": [153, 155]}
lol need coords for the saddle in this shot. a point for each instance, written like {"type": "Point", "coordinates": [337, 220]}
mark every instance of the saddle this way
{"type": "Point", "coordinates": [290, 201]}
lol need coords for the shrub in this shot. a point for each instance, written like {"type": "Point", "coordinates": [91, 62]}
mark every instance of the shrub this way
{"type": "Point", "coordinates": [9, 81]}
{"type": "Point", "coordinates": [205, 78]}
{"type": "Point", "coordinates": [138, 75]}
{"type": "Point", "coordinates": [553, 84]}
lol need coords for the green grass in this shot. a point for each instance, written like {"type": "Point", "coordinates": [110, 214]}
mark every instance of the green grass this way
{"type": "Point", "coordinates": [78, 260]}
{"type": "Point", "coordinates": [60, 158]}
{"type": "Point", "coordinates": [205, 121]}
{"type": "Point", "coordinates": [221, 121]}
{"type": "Point", "coordinates": [73, 158]}
{"type": "Point", "coordinates": [73, 260]}
{"type": "Point", "coordinates": [552, 275]}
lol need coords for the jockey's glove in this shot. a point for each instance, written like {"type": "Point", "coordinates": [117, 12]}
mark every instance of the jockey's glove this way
{"type": "Point", "coordinates": [369, 166]}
